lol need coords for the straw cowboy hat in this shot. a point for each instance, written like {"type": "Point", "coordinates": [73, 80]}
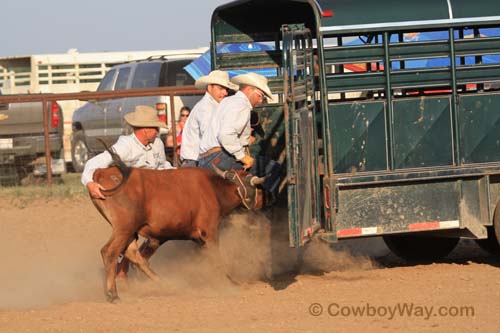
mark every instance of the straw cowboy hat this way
{"type": "Point", "coordinates": [215, 77]}
{"type": "Point", "coordinates": [144, 116]}
{"type": "Point", "coordinates": [254, 80]}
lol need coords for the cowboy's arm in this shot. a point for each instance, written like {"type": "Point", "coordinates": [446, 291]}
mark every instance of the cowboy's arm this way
{"type": "Point", "coordinates": [190, 138]}
{"type": "Point", "coordinates": [232, 125]}
{"type": "Point", "coordinates": [103, 160]}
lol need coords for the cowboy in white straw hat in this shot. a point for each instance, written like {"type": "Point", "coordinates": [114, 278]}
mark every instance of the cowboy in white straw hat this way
{"type": "Point", "coordinates": [217, 86]}
{"type": "Point", "coordinates": [225, 142]}
{"type": "Point", "coordinates": [141, 149]}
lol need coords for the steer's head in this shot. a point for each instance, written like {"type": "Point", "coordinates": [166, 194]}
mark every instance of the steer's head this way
{"type": "Point", "coordinates": [248, 186]}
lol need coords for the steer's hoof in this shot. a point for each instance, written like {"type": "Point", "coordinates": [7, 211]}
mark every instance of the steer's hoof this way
{"type": "Point", "coordinates": [112, 297]}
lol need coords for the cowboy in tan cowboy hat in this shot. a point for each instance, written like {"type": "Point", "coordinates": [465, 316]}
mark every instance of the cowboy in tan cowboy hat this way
{"type": "Point", "coordinates": [216, 85]}
{"type": "Point", "coordinates": [144, 116]}
{"type": "Point", "coordinates": [141, 149]}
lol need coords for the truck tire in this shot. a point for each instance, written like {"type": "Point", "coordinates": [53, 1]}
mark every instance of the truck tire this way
{"type": "Point", "coordinates": [79, 152]}
{"type": "Point", "coordinates": [420, 248]}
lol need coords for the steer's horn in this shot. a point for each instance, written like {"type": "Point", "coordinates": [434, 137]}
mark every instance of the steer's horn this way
{"type": "Point", "coordinates": [218, 171]}
{"type": "Point", "coordinates": [257, 180]}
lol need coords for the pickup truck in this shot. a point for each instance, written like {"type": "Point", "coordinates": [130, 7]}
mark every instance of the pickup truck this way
{"type": "Point", "coordinates": [104, 119]}
{"type": "Point", "coordinates": [22, 141]}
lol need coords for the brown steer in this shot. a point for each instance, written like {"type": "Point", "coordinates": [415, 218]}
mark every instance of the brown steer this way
{"type": "Point", "coordinates": [160, 205]}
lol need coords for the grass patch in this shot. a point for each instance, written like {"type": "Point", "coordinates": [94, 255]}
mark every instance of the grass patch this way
{"type": "Point", "coordinates": [68, 186]}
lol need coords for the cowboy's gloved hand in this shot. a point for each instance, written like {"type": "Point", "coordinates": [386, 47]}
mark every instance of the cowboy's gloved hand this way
{"type": "Point", "coordinates": [247, 162]}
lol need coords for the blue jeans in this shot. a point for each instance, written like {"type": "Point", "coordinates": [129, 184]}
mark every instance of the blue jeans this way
{"type": "Point", "coordinates": [263, 166]}
{"type": "Point", "coordinates": [222, 160]}
{"type": "Point", "coordinates": [189, 164]}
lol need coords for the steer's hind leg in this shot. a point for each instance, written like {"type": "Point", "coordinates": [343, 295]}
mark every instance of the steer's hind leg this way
{"type": "Point", "coordinates": [132, 253]}
{"type": "Point", "coordinates": [149, 247]}
{"type": "Point", "coordinates": [110, 252]}
{"type": "Point", "coordinates": [122, 268]}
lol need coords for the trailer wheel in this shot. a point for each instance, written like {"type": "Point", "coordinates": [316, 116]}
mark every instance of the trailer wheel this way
{"type": "Point", "coordinates": [79, 151]}
{"type": "Point", "coordinates": [491, 244]}
{"type": "Point", "coordinates": [420, 248]}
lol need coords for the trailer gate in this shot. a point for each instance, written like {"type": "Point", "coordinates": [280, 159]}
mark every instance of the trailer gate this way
{"type": "Point", "coordinates": [301, 137]}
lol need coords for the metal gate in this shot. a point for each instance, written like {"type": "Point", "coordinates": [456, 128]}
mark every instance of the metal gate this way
{"type": "Point", "coordinates": [301, 133]}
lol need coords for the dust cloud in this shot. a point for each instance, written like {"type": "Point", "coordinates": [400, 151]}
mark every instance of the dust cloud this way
{"type": "Point", "coordinates": [254, 247]}
{"type": "Point", "coordinates": [55, 259]}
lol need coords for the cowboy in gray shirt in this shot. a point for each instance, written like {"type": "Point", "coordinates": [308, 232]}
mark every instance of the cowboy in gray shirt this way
{"type": "Point", "coordinates": [141, 149]}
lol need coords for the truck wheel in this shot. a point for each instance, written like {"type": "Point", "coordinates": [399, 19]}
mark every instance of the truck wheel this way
{"type": "Point", "coordinates": [420, 248]}
{"type": "Point", "coordinates": [79, 152]}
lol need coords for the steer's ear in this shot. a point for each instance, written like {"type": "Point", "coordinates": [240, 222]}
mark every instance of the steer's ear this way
{"type": "Point", "coordinates": [109, 177]}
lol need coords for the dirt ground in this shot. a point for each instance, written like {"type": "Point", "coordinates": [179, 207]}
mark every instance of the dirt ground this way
{"type": "Point", "coordinates": [51, 281]}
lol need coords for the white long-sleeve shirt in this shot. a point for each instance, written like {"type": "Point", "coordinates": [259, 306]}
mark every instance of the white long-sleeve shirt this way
{"type": "Point", "coordinates": [133, 153]}
{"type": "Point", "coordinates": [230, 126]}
{"type": "Point", "coordinates": [196, 125]}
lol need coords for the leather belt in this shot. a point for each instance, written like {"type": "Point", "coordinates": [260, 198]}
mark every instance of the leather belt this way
{"type": "Point", "coordinates": [210, 152]}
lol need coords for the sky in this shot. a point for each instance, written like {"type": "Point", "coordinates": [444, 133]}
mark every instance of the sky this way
{"type": "Point", "coordinates": [55, 26]}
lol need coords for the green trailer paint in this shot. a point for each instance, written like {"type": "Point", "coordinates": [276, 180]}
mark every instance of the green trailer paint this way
{"type": "Point", "coordinates": [382, 131]}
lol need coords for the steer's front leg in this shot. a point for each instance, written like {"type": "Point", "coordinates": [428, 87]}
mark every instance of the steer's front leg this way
{"type": "Point", "coordinates": [110, 253]}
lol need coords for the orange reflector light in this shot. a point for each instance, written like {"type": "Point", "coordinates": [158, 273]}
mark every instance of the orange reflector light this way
{"type": "Point", "coordinates": [161, 106]}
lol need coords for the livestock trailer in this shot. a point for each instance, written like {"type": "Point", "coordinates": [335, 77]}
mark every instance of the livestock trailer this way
{"type": "Point", "coordinates": [386, 115]}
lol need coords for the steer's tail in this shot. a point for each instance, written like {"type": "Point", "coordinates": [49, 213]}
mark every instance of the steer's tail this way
{"type": "Point", "coordinates": [117, 161]}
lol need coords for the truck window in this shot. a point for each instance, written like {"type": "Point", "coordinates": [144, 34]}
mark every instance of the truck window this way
{"type": "Point", "coordinates": [146, 75]}
{"type": "Point", "coordinates": [122, 79]}
{"type": "Point", "coordinates": [176, 75]}
{"type": "Point", "coordinates": [107, 81]}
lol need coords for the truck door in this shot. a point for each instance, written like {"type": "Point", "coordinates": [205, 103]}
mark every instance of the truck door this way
{"type": "Point", "coordinates": [301, 134]}
{"type": "Point", "coordinates": [114, 108]}
{"type": "Point", "coordinates": [95, 114]}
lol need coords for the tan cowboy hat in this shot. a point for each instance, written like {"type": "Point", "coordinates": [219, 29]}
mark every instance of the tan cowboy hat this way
{"type": "Point", "coordinates": [144, 116]}
{"type": "Point", "coordinates": [254, 80]}
{"type": "Point", "coordinates": [215, 77]}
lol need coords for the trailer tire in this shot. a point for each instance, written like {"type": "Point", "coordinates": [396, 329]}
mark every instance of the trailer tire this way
{"type": "Point", "coordinates": [79, 152]}
{"type": "Point", "coordinates": [420, 248]}
{"type": "Point", "coordinates": [491, 244]}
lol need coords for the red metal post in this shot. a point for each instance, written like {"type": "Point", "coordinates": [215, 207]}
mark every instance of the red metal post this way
{"type": "Point", "coordinates": [48, 159]}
